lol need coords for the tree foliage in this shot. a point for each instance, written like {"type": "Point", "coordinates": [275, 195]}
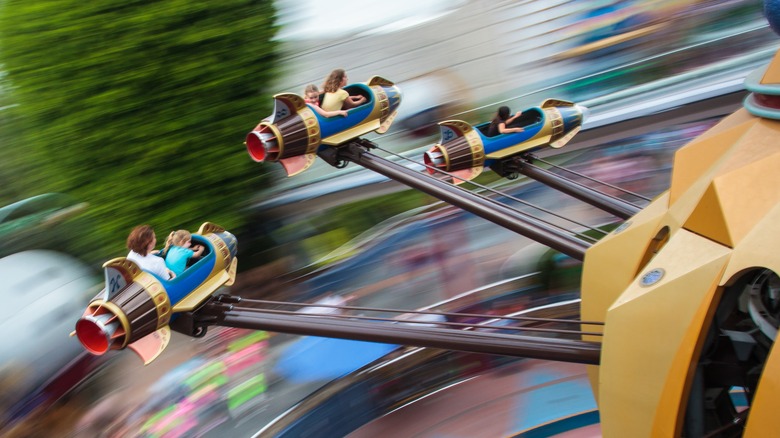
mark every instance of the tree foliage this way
{"type": "Point", "coordinates": [137, 107]}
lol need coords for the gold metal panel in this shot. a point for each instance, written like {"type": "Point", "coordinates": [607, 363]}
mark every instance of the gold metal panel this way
{"type": "Point", "coordinates": [698, 159]}
{"type": "Point", "coordinates": [762, 421]}
{"type": "Point", "coordinates": [743, 190]}
{"type": "Point", "coordinates": [707, 218]}
{"type": "Point", "coordinates": [611, 265]}
{"type": "Point", "coordinates": [759, 248]}
{"type": "Point", "coordinates": [652, 335]}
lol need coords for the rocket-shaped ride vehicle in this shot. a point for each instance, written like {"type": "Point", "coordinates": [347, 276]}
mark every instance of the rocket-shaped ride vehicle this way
{"type": "Point", "coordinates": [294, 133]}
{"type": "Point", "coordinates": [135, 308]}
{"type": "Point", "coordinates": [464, 151]}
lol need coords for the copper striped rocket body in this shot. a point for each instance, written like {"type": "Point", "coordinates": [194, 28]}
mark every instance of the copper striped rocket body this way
{"type": "Point", "coordinates": [464, 150]}
{"type": "Point", "coordinates": [294, 133]}
{"type": "Point", "coordinates": [135, 307]}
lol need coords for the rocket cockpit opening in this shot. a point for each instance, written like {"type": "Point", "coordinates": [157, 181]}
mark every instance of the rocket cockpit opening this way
{"type": "Point", "coordinates": [357, 90]}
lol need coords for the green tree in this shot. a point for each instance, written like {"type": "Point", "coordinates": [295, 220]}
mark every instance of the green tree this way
{"type": "Point", "coordinates": [137, 107]}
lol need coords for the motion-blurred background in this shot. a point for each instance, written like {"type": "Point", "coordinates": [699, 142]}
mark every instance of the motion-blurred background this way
{"type": "Point", "coordinates": [113, 115]}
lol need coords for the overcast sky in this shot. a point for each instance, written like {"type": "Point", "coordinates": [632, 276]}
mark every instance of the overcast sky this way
{"type": "Point", "coordinates": [311, 19]}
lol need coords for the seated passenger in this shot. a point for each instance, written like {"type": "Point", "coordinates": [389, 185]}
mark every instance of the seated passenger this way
{"type": "Point", "coordinates": [311, 95]}
{"type": "Point", "coordinates": [336, 97]}
{"type": "Point", "coordinates": [178, 252]}
{"type": "Point", "coordinates": [141, 242]}
{"type": "Point", "coordinates": [501, 121]}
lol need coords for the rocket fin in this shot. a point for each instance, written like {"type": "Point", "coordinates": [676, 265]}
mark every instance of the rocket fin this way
{"type": "Point", "coordinates": [118, 273]}
{"type": "Point", "coordinates": [297, 164]}
{"type": "Point", "coordinates": [459, 176]}
{"type": "Point", "coordinates": [151, 345]}
{"type": "Point", "coordinates": [379, 80]}
{"type": "Point", "coordinates": [209, 227]}
{"type": "Point", "coordinates": [555, 102]}
{"type": "Point", "coordinates": [386, 124]}
{"type": "Point", "coordinates": [285, 105]}
{"type": "Point", "coordinates": [466, 174]}
{"type": "Point", "coordinates": [232, 272]}
{"type": "Point", "coordinates": [565, 139]}
{"type": "Point", "coordinates": [452, 129]}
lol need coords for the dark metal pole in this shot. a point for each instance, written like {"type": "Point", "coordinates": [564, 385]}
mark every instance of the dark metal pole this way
{"type": "Point", "coordinates": [610, 204]}
{"type": "Point", "coordinates": [562, 350]}
{"type": "Point", "coordinates": [488, 209]}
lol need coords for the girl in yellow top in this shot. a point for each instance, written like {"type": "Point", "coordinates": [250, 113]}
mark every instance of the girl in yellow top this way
{"type": "Point", "coordinates": [336, 97]}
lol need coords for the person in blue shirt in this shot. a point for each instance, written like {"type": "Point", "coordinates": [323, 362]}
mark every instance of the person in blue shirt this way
{"type": "Point", "coordinates": [179, 251]}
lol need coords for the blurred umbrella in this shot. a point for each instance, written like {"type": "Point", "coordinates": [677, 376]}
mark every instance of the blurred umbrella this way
{"type": "Point", "coordinates": [314, 358]}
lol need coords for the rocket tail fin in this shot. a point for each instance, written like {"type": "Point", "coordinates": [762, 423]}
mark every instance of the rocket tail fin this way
{"type": "Point", "coordinates": [466, 174]}
{"type": "Point", "coordinates": [232, 272]}
{"type": "Point", "coordinates": [452, 129]}
{"type": "Point", "coordinates": [459, 176]}
{"type": "Point", "coordinates": [565, 139]}
{"type": "Point", "coordinates": [285, 105]}
{"type": "Point", "coordinates": [151, 345]}
{"type": "Point", "coordinates": [379, 80]}
{"type": "Point", "coordinates": [297, 164]}
{"type": "Point", "coordinates": [555, 102]}
{"type": "Point", "coordinates": [386, 124]}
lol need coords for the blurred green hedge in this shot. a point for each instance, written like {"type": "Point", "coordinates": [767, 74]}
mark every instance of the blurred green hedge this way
{"type": "Point", "coordinates": [138, 108]}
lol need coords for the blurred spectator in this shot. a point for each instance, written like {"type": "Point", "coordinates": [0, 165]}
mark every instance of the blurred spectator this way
{"type": "Point", "coordinates": [328, 300]}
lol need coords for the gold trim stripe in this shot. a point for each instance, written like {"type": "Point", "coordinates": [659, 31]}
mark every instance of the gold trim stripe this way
{"type": "Point", "coordinates": [382, 101]}
{"type": "Point", "coordinates": [278, 135]}
{"type": "Point", "coordinates": [312, 129]}
{"type": "Point", "coordinates": [556, 123]}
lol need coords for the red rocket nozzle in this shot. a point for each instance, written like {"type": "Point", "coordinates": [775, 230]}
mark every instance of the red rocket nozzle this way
{"type": "Point", "coordinates": [434, 158]}
{"type": "Point", "coordinates": [94, 332]}
{"type": "Point", "coordinates": [254, 145]}
{"type": "Point", "coordinates": [262, 144]}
